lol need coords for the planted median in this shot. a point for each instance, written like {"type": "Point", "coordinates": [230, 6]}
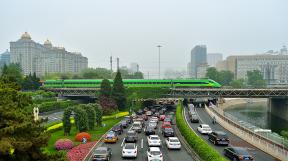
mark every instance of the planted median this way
{"type": "Point", "coordinates": [204, 150]}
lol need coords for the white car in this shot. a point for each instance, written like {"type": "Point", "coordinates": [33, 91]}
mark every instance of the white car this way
{"type": "Point", "coordinates": [148, 113]}
{"type": "Point", "coordinates": [152, 124]}
{"type": "Point", "coordinates": [154, 140]}
{"type": "Point", "coordinates": [204, 129]}
{"type": "Point", "coordinates": [173, 143]}
{"type": "Point", "coordinates": [154, 153]}
{"type": "Point", "coordinates": [154, 119]}
{"type": "Point", "coordinates": [129, 150]}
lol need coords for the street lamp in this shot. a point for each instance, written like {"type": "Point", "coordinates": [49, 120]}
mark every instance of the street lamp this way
{"type": "Point", "coordinates": [159, 46]}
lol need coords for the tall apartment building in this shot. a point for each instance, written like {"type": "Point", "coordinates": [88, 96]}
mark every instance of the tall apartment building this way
{"type": "Point", "coordinates": [5, 58]}
{"type": "Point", "coordinates": [214, 58]}
{"type": "Point", "coordinates": [44, 59]}
{"type": "Point", "coordinates": [134, 67]}
{"type": "Point", "coordinates": [198, 57]}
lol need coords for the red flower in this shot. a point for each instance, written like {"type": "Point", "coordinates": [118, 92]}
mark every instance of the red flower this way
{"type": "Point", "coordinates": [79, 152]}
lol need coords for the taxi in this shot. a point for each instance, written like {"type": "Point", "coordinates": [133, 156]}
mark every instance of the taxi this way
{"type": "Point", "coordinates": [111, 137]}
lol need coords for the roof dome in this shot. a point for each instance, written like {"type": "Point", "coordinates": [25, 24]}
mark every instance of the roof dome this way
{"type": "Point", "coordinates": [48, 43]}
{"type": "Point", "coordinates": [26, 36]}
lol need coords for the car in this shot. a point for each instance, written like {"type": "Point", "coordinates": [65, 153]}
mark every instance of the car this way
{"type": "Point", "coordinates": [153, 110]}
{"type": "Point", "coordinates": [149, 113]}
{"type": "Point", "coordinates": [139, 112]}
{"type": "Point", "coordinates": [149, 130]}
{"type": "Point", "coordinates": [218, 137]}
{"type": "Point", "coordinates": [154, 119]}
{"type": "Point", "coordinates": [129, 150]}
{"type": "Point", "coordinates": [118, 129]}
{"type": "Point", "coordinates": [161, 112]}
{"type": "Point", "coordinates": [154, 154]}
{"type": "Point", "coordinates": [166, 125]}
{"type": "Point", "coordinates": [161, 117]}
{"type": "Point", "coordinates": [194, 118]}
{"type": "Point", "coordinates": [153, 124]}
{"type": "Point", "coordinates": [124, 124]}
{"type": "Point", "coordinates": [157, 114]}
{"type": "Point", "coordinates": [167, 132]}
{"type": "Point", "coordinates": [111, 137]}
{"type": "Point", "coordinates": [102, 153]}
{"type": "Point", "coordinates": [137, 126]}
{"type": "Point", "coordinates": [128, 119]}
{"type": "Point", "coordinates": [140, 119]}
{"type": "Point", "coordinates": [237, 153]}
{"type": "Point", "coordinates": [154, 140]}
{"type": "Point", "coordinates": [131, 136]}
{"type": "Point", "coordinates": [145, 117]}
{"type": "Point", "coordinates": [167, 119]}
{"type": "Point", "coordinates": [173, 143]}
{"type": "Point", "coordinates": [204, 129]}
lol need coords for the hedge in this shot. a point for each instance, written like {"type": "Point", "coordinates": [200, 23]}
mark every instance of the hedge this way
{"type": "Point", "coordinates": [202, 148]}
{"type": "Point", "coordinates": [120, 114]}
{"type": "Point", "coordinates": [50, 106]}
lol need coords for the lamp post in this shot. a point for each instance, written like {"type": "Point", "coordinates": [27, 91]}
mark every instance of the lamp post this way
{"type": "Point", "coordinates": [159, 46]}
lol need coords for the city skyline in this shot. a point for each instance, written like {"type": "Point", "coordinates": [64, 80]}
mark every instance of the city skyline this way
{"type": "Point", "coordinates": [132, 30]}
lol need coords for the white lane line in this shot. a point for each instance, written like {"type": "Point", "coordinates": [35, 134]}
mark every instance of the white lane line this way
{"type": "Point", "coordinates": [123, 142]}
{"type": "Point", "coordinates": [189, 123]}
{"type": "Point", "coordinates": [142, 143]}
{"type": "Point", "coordinates": [199, 116]}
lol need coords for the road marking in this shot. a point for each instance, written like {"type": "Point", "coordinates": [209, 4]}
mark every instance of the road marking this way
{"type": "Point", "coordinates": [122, 142]}
{"type": "Point", "coordinates": [142, 143]}
{"type": "Point", "coordinates": [189, 123]}
{"type": "Point", "coordinates": [199, 116]}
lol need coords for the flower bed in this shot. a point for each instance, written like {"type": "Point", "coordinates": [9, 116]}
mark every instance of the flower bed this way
{"type": "Point", "coordinates": [79, 152]}
{"type": "Point", "coordinates": [63, 144]}
{"type": "Point", "coordinates": [79, 137]}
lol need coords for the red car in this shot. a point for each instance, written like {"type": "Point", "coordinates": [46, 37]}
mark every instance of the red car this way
{"type": "Point", "coordinates": [161, 117]}
{"type": "Point", "coordinates": [166, 125]}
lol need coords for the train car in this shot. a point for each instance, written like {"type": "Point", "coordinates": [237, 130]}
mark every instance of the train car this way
{"type": "Point", "coordinates": [163, 83]}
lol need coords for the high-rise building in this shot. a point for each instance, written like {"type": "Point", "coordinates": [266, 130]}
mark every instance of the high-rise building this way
{"type": "Point", "coordinates": [5, 58]}
{"type": "Point", "coordinates": [44, 59]}
{"type": "Point", "coordinates": [201, 70]}
{"type": "Point", "coordinates": [214, 58]}
{"type": "Point", "coordinates": [198, 57]}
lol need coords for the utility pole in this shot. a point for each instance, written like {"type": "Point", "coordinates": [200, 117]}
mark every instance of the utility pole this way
{"type": "Point", "coordinates": [111, 66]}
{"type": "Point", "coordinates": [159, 74]}
{"type": "Point", "coordinates": [117, 64]}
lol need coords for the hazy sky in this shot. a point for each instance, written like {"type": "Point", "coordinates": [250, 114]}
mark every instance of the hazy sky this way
{"type": "Point", "coordinates": [131, 29]}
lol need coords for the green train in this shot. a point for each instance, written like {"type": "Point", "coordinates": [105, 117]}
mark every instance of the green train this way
{"type": "Point", "coordinates": [95, 83]}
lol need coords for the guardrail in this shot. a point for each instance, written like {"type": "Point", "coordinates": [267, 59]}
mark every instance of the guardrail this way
{"type": "Point", "coordinates": [266, 142]}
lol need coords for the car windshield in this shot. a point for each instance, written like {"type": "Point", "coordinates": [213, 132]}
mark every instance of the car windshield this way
{"type": "Point", "coordinates": [194, 115]}
{"type": "Point", "coordinates": [241, 151]}
{"type": "Point", "coordinates": [174, 140]}
{"type": "Point", "coordinates": [155, 152]}
{"type": "Point", "coordinates": [100, 152]}
{"type": "Point", "coordinates": [129, 146]}
{"type": "Point", "coordinates": [130, 133]}
{"type": "Point", "coordinates": [168, 129]}
{"type": "Point", "coordinates": [154, 138]}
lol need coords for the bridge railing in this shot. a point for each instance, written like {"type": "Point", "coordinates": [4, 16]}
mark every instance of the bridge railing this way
{"type": "Point", "coordinates": [270, 143]}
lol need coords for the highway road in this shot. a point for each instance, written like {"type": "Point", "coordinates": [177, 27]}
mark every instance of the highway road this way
{"type": "Point", "coordinates": [234, 140]}
{"type": "Point", "coordinates": [52, 117]}
{"type": "Point", "coordinates": [169, 155]}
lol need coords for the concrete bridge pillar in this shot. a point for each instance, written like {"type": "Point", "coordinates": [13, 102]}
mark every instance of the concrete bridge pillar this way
{"type": "Point", "coordinates": [278, 107]}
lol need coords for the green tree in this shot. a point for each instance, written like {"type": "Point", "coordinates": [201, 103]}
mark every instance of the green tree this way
{"type": "Point", "coordinates": [118, 91]}
{"type": "Point", "coordinates": [225, 77]}
{"type": "Point", "coordinates": [13, 73]}
{"type": "Point", "coordinates": [237, 83]}
{"type": "Point", "coordinates": [81, 119]}
{"type": "Point", "coordinates": [212, 73]}
{"type": "Point", "coordinates": [91, 114]}
{"type": "Point", "coordinates": [20, 137]}
{"type": "Point", "coordinates": [255, 79]}
{"type": "Point", "coordinates": [66, 120]}
{"type": "Point", "coordinates": [105, 88]}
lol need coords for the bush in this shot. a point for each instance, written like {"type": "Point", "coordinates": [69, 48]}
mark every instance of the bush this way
{"type": "Point", "coordinates": [50, 106]}
{"type": "Point", "coordinates": [79, 137]}
{"type": "Point", "coordinates": [200, 146]}
{"type": "Point", "coordinates": [63, 144]}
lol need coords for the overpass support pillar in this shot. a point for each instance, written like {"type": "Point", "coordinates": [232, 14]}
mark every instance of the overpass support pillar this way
{"type": "Point", "coordinates": [278, 107]}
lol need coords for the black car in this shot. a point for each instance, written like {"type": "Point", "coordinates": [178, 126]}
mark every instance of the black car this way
{"type": "Point", "coordinates": [194, 118]}
{"type": "Point", "coordinates": [168, 132]}
{"type": "Point", "coordinates": [128, 119]}
{"type": "Point", "coordinates": [131, 136]}
{"type": "Point", "coordinates": [218, 137]}
{"type": "Point", "coordinates": [124, 124]}
{"type": "Point", "coordinates": [149, 130]}
{"type": "Point", "coordinates": [237, 153]}
{"type": "Point", "coordinates": [102, 153]}
{"type": "Point", "coordinates": [118, 129]}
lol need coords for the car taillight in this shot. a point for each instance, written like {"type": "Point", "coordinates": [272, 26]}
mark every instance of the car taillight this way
{"type": "Point", "coordinates": [134, 151]}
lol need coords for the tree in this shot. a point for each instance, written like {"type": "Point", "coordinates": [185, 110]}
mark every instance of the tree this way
{"type": "Point", "coordinates": [238, 83]}
{"type": "Point", "coordinates": [212, 73]}
{"type": "Point", "coordinates": [31, 82]}
{"type": "Point", "coordinates": [225, 77]}
{"type": "Point", "coordinates": [99, 114]}
{"type": "Point", "coordinates": [12, 72]}
{"type": "Point", "coordinates": [91, 114]}
{"type": "Point", "coordinates": [118, 91]}
{"type": "Point", "coordinates": [255, 79]}
{"type": "Point", "coordinates": [81, 119]}
{"type": "Point", "coordinates": [21, 138]}
{"type": "Point", "coordinates": [105, 88]}
{"type": "Point", "coordinates": [66, 120]}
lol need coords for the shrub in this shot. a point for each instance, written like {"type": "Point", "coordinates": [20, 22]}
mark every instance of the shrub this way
{"type": "Point", "coordinates": [200, 146]}
{"type": "Point", "coordinates": [79, 137]}
{"type": "Point", "coordinates": [63, 144]}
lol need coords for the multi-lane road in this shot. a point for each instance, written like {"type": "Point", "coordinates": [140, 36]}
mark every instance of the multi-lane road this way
{"type": "Point", "coordinates": [234, 140]}
{"type": "Point", "coordinates": [168, 155]}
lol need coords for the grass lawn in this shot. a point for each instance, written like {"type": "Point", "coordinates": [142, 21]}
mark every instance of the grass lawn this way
{"type": "Point", "coordinates": [96, 134]}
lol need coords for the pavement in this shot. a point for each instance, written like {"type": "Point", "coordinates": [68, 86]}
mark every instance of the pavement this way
{"type": "Point", "coordinates": [234, 140]}
{"type": "Point", "coordinates": [169, 155]}
{"type": "Point", "coordinates": [52, 117]}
